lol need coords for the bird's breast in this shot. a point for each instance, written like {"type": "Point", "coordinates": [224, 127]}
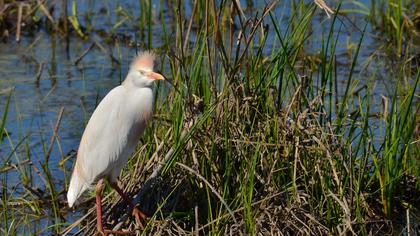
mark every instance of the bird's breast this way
{"type": "Point", "coordinates": [142, 105]}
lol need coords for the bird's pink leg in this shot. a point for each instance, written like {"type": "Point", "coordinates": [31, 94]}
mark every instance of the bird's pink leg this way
{"type": "Point", "coordinates": [101, 230]}
{"type": "Point", "coordinates": [139, 215]}
{"type": "Point", "coordinates": [98, 190]}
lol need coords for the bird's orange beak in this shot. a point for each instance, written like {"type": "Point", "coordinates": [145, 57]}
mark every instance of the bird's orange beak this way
{"type": "Point", "coordinates": [155, 76]}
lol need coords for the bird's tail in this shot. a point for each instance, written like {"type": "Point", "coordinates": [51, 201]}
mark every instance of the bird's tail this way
{"type": "Point", "coordinates": [76, 188]}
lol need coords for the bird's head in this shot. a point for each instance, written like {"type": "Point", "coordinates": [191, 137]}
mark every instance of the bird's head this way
{"type": "Point", "coordinates": [141, 72]}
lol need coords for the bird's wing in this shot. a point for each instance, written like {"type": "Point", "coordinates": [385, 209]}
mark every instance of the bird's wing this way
{"type": "Point", "coordinates": [104, 139]}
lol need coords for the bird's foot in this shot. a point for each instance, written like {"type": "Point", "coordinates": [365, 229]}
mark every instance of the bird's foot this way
{"type": "Point", "coordinates": [101, 233]}
{"type": "Point", "coordinates": [139, 216]}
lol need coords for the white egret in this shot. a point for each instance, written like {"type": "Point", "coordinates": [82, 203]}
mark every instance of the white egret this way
{"type": "Point", "coordinates": [112, 134]}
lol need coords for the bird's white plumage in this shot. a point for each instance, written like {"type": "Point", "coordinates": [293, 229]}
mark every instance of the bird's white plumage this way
{"type": "Point", "coordinates": [112, 133]}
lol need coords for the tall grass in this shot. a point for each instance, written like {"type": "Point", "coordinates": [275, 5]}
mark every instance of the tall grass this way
{"type": "Point", "coordinates": [394, 20]}
{"type": "Point", "coordinates": [397, 150]}
{"type": "Point", "coordinates": [288, 153]}
{"type": "Point", "coordinates": [252, 137]}
{"type": "Point", "coordinates": [29, 194]}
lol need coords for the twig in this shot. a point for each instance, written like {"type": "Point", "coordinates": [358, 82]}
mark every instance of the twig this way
{"type": "Point", "coordinates": [321, 4]}
{"type": "Point", "coordinates": [408, 222]}
{"type": "Point", "coordinates": [237, 5]}
{"type": "Point", "coordinates": [190, 25]}
{"type": "Point", "coordinates": [266, 11]}
{"type": "Point", "coordinates": [39, 72]}
{"type": "Point", "coordinates": [104, 50]}
{"type": "Point", "coordinates": [38, 172]}
{"type": "Point", "coordinates": [77, 222]}
{"type": "Point", "coordinates": [53, 137]}
{"type": "Point", "coordinates": [45, 11]}
{"type": "Point", "coordinates": [13, 166]}
{"type": "Point", "coordinates": [19, 22]}
{"type": "Point", "coordinates": [83, 54]}
{"type": "Point", "coordinates": [155, 155]}
{"type": "Point", "coordinates": [168, 155]}
{"type": "Point", "coordinates": [296, 157]}
{"type": "Point", "coordinates": [196, 220]}
{"type": "Point", "coordinates": [34, 42]}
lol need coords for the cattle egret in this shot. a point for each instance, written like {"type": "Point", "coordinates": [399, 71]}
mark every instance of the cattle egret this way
{"type": "Point", "coordinates": [112, 134]}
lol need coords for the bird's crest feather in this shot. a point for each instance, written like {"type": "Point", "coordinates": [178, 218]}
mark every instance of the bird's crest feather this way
{"type": "Point", "coordinates": [144, 61]}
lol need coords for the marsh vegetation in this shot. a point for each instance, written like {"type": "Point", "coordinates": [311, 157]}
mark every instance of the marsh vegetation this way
{"type": "Point", "coordinates": [279, 119]}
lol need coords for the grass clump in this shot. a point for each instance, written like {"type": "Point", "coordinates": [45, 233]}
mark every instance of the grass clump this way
{"type": "Point", "coordinates": [252, 142]}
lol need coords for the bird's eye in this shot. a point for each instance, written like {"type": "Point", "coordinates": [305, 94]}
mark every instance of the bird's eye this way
{"type": "Point", "coordinates": [142, 72]}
